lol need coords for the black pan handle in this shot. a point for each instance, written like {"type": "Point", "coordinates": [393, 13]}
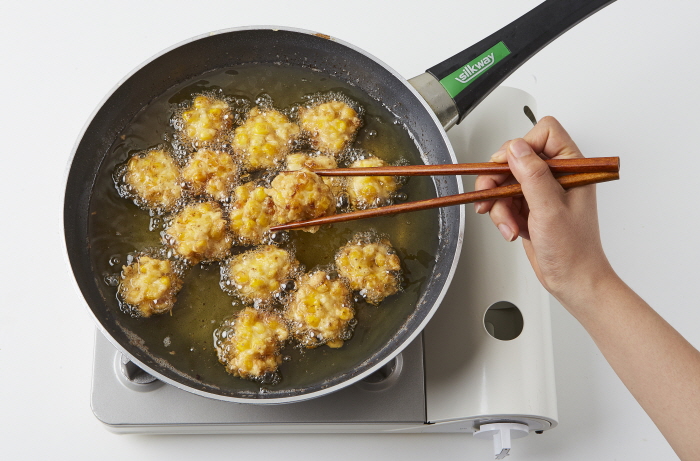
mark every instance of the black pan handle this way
{"type": "Point", "coordinates": [470, 75]}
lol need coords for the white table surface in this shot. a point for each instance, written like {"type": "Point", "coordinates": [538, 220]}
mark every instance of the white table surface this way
{"type": "Point", "coordinates": [624, 82]}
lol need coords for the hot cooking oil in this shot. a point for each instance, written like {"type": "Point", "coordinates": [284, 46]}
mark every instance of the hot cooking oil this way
{"type": "Point", "coordinates": [184, 338]}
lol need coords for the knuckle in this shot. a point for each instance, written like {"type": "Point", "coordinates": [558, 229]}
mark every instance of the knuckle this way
{"type": "Point", "coordinates": [537, 171]}
{"type": "Point", "coordinates": [481, 183]}
{"type": "Point", "coordinates": [549, 120]}
{"type": "Point", "coordinates": [485, 182]}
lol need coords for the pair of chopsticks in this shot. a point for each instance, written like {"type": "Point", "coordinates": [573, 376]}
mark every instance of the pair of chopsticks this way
{"type": "Point", "coordinates": [584, 171]}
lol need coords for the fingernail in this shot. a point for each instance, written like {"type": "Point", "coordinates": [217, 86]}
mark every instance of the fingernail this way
{"type": "Point", "coordinates": [477, 207]}
{"type": "Point", "coordinates": [506, 232]}
{"type": "Point", "coordinates": [499, 156]}
{"type": "Point", "coordinates": [519, 148]}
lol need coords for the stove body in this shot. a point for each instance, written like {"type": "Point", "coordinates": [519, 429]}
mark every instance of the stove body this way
{"type": "Point", "coordinates": [484, 363]}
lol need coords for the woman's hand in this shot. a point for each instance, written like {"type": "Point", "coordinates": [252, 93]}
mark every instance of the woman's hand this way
{"type": "Point", "coordinates": [560, 234]}
{"type": "Point", "coordinates": [559, 228]}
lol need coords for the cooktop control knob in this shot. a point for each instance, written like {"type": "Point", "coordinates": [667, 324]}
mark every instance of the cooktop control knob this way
{"type": "Point", "coordinates": [502, 434]}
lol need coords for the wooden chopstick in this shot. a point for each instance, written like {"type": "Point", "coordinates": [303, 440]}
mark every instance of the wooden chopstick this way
{"type": "Point", "coordinates": [572, 165]}
{"type": "Point", "coordinates": [567, 182]}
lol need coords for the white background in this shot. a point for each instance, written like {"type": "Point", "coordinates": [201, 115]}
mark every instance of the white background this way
{"type": "Point", "coordinates": [624, 82]}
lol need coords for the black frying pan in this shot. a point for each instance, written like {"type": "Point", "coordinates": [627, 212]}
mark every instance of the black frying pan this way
{"type": "Point", "coordinates": [449, 91]}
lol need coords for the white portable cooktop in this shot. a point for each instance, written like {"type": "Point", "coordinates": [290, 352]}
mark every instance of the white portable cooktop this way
{"type": "Point", "coordinates": [483, 365]}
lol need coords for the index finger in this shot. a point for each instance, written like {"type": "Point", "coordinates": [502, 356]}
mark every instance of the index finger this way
{"type": "Point", "coordinates": [548, 137]}
{"type": "Point", "coordinates": [489, 181]}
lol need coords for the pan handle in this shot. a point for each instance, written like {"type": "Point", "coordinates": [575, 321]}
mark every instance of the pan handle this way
{"type": "Point", "coordinates": [455, 86]}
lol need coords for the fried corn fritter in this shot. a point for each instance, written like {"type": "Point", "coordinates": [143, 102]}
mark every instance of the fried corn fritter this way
{"type": "Point", "coordinates": [211, 173]}
{"type": "Point", "coordinates": [301, 195]}
{"type": "Point", "coordinates": [299, 160]}
{"type": "Point", "coordinates": [370, 191]}
{"type": "Point", "coordinates": [264, 139]}
{"type": "Point", "coordinates": [207, 120]}
{"type": "Point", "coordinates": [373, 268]}
{"type": "Point", "coordinates": [150, 285]}
{"type": "Point", "coordinates": [320, 311]}
{"type": "Point", "coordinates": [257, 276]}
{"type": "Point", "coordinates": [252, 213]}
{"type": "Point", "coordinates": [154, 177]}
{"type": "Point", "coordinates": [199, 233]}
{"type": "Point", "coordinates": [331, 125]}
{"type": "Point", "coordinates": [251, 348]}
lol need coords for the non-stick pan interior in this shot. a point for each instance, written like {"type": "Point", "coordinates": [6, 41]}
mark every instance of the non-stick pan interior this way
{"type": "Point", "coordinates": [226, 50]}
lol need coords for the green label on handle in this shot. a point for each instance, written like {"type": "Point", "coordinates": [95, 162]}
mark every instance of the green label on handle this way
{"type": "Point", "coordinates": [464, 76]}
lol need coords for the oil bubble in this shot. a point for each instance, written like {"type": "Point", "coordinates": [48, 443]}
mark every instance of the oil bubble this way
{"type": "Point", "coordinates": [343, 201]}
{"type": "Point", "coordinates": [155, 223]}
{"type": "Point", "coordinates": [111, 280]}
{"type": "Point", "coordinates": [290, 285]}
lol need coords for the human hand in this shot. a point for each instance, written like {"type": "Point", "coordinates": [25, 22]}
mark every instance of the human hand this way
{"type": "Point", "coordinates": [559, 228]}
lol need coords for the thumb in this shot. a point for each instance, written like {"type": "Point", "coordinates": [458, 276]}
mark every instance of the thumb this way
{"type": "Point", "coordinates": [540, 189]}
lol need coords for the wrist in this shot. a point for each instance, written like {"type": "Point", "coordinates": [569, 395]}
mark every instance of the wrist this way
{"type": "Point", "coordinates": [589, 291]}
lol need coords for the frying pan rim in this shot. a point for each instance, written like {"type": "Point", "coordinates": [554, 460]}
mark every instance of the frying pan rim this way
{"type": "Point", "coordinates": [304, 396]}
